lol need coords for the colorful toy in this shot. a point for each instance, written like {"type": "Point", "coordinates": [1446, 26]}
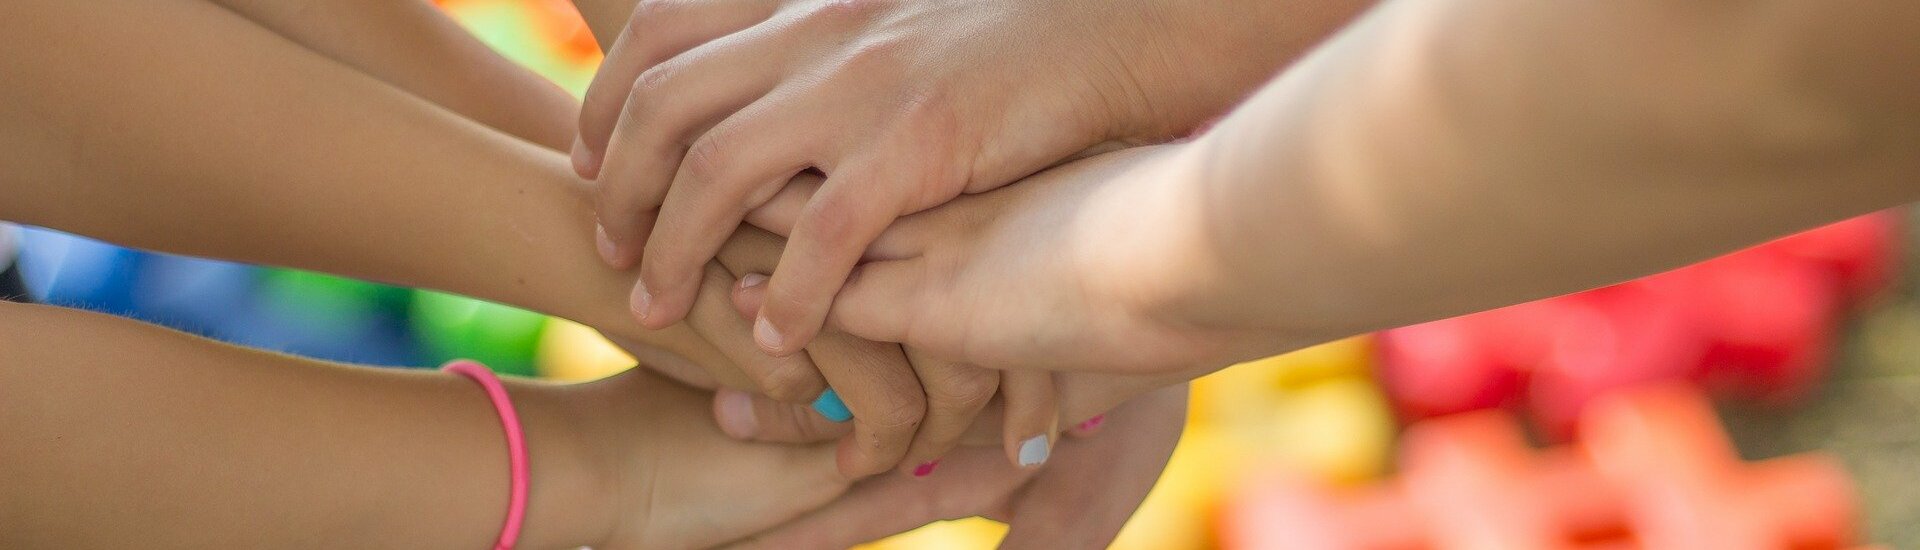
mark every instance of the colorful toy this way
{"type": "Point", "coordinates": [456, 327]}
{"type": "Point", "coordinates": [1758, 324]}
{"type": "Point", "coordinates": [1652, 470]}
{"type": "Point", "coordinates": [573, 352]}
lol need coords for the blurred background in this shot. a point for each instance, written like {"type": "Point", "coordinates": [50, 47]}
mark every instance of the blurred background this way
{"type": "Point", "coordinates": [1580, 421]}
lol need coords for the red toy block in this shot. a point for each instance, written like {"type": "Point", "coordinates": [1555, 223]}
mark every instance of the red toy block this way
{"type": "Point", "coordinates": [1653, 470]}
{"type": "Point", "coordinates": [1444, 367]}
{"type": "Point", "coordinates": [1612, 339]}
{"type": "Point", "coordinates": [1769, 323]}
{"type": "Point", "coordinates": [1862, 254]}
{"type": "Point", "coordinates": [1663, 448]}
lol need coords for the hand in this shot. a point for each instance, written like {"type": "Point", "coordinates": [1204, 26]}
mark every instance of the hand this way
{"type": "Point", "coordinates": [678, 481]}
{"type": "Point", "coordinates": [903, 105]}
{"type": "Point", "coordinates": [1080, 500]}
{"type": "Point", "coordinates": [1077, 268]}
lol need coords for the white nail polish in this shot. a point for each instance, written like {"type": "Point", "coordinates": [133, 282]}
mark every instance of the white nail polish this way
{"type": "Point", "coordinates": [1034, 451]}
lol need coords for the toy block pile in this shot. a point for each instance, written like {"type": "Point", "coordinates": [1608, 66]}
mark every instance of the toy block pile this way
{"type": "Point", "coordinates": [1651, 470]}
{"type": "Point", "coordinates": [1757, 324]}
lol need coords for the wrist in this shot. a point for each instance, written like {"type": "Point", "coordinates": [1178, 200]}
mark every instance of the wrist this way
{"type": "Point", "coordinates": [1150, 253]}
{"type": "Point", "coordinates": [571, 502]}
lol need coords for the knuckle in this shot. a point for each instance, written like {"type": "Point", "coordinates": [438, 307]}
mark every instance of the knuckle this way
{"type": "Point", "coordinates": [788, 382]}
{"type": "Point", "coordinates": [963, 389]}
{"type": "Point", "coordinates": [653, 80]}
{"type": "Point", "coordinates": [707, 159]}
{"type": "Point", "coordinates": [899, 415]}
{"type": "Point", "coordinates": [870, 58]}
{"type": "Point", "coordinates": [648, 13]}
{"type": "Point", "coordinates": [832, 220]}
{"type": "Point", "coordinates": [847, 12]}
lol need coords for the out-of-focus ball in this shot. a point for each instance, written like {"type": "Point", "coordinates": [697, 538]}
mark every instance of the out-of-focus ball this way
{"type": "Point", "coordinates": [455, 327]}
{"type": "Point", "coordinates": [1338, 431]}
{"type": "Point", "coordinates": [572, 352]}
{"type": "Point", "coordinates": [1244, 394]}
{"type": "Point", "coordinates": [1178, 514]}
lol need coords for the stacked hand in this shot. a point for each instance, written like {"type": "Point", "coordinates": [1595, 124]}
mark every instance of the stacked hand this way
{"type": "Point", "coordinates": [827, 121]}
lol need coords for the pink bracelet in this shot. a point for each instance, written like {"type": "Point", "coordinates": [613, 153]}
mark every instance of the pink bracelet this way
{"type": "Point", "coordinates": [516, 446]}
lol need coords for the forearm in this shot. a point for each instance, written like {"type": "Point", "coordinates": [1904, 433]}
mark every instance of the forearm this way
{"type": "Point", "coordinates": [229, 142]}
{"type": "Point", "coordinates": [416, 48]}
{"type": "Point", "coordinates": [123, 435]}
{"type": "Point", "coordinates": [1445, 157]}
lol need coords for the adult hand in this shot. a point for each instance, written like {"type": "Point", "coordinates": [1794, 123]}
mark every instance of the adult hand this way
{"type": "Point", "coordinates": [704, 109]}
{"type": "Point", "coordinates": [1076, 268]}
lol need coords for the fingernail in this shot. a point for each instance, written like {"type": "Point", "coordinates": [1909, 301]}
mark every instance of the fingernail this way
{"type": "Point", "coordinates": [925, 469]}
{"type": "Point", "coordinates": [735, 409]}
{"type": "Point", "coordinates": [584, 163]}
{"type": "Point", "coordinates": [608, 252]}
{"type": "Point", "coordinates": [768, 337]}
{"type": "Point", "coordinates": [752, 280]}
{"type": "Point", "coordinates": [1092, 423]}
{"type": "Point", "coordinates": [1034, 451]}
{"type": "Point", "coordinates": [642, 300]}
{"type": "Point", "coordinates": [830, 406]}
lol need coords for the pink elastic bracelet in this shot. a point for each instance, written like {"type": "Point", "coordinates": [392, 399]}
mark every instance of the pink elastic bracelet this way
{"type": "Point", "coordinates": [516, 446]}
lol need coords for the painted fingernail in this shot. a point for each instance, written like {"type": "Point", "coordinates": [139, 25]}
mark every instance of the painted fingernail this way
{"type": "Point", "coordinates": [735, 411]}
{"type": "Point", "coordinates": [1034, 451]}
{"type": "Point", "coordinates": [1092, 423]}
{"type": "Point", "coordinates": [609, 253]}
{"type": "Point", "coordinates": [752, 280]}
{"type": "Point", "coordinates": [925, 469]}
{"type": "Point", "coordinates": [830, 406]}
{"type": "Point", "coordinates": [642, 301]}
{"type": "Point", "coordinates": [768, 337]}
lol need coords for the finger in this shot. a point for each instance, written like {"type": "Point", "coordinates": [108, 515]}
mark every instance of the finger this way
{"type": "Point", "coordinates": [880, 389]}
{"type": "Point", "coordinates": [848, 212]}
{"type": "Point", "coordinates": [1032, 419]}
{"type": "Point", "coordinates": [1086, 507]}
{"type": "Point", "coordinates": [886, 401]}
{"type": "Point", "coordinates": [750, 417]}
{"type": "Point", "coordinates": [969, 484]}
{"type": "Point", "coordinates": [734, 167]}
{"type": "Point", "coordinates": [791, 379]}
{"type": "Point", "coordinates": [656, 32]}
{"type": "Point", "coordinates": [781, 211]}
{"type": "Point", "coordinates": [956, 394]}
{"type": "Point", "coordinates": [880, 300]}
{"type": "Point", "coordinates": [667, 106]}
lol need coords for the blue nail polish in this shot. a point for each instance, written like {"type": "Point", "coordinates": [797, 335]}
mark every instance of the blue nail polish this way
{"type": "Point", "coordinates": [829, 405]}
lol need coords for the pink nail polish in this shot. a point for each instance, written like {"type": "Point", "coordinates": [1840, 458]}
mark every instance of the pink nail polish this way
{"type": "Point", "coordinates": [1092, 423]}
{"type": "Point", "coordinates": [925, 469]}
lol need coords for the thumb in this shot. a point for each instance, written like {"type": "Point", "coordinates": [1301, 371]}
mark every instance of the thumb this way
{"type": "Point", "coordinates": [751, 417]}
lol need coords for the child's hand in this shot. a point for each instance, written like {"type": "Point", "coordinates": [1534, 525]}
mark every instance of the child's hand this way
{"type": "Point", "coordinates": [903, 105]}
{"type": "Point", "coordinates": [679, 481]}
{"type": "Point", "coordinates": [1079, 500]}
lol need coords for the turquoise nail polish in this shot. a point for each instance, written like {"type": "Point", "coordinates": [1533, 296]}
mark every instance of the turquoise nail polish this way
{"type": "Point", "coordinates": [829, 405]}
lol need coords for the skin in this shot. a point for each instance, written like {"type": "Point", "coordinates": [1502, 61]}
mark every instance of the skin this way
{"type": "Point", "coordinates": [84, 129]}
{"type": "Point", "coordinates": [704, 111]}
{"type": "Point", "coordinates": [1436, 158]}
{"type": "Point", "coordinates": [312, 454]}
{"type": "Point", "coordinates": [218, 167]}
